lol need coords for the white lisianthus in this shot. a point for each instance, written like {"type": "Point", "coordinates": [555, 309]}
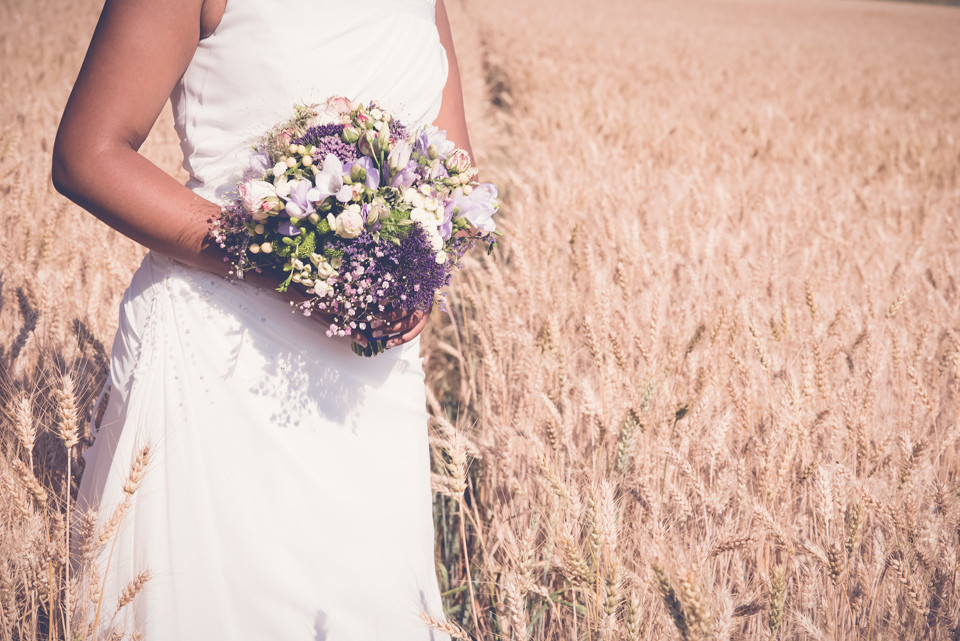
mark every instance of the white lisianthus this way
{"type": "Point", "coordinates": [431, 204]}
{"type": "Point", "coordinates": [436, 241]}
{"type": "Point", "coordinates": [324, 270]}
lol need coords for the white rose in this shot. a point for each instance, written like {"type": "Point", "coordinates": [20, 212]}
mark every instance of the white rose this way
{"type": "Point", "coordinates": [254, 194]}
{"type": "Point", "coordinates": [348, 223]}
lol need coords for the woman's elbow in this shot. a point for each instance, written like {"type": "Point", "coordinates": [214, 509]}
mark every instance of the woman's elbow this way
{"type": "Point", "coordinates": [61, 171]}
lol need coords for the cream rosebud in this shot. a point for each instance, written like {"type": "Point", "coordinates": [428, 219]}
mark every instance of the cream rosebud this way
{"type": "Point", "coordinates": [458, 162]}
{"type": "Point", "coordinates": [400, 155]}
{"type": "Point", "coordinates": [259, 229]}
{"type": "Point", "coordinates": [367, 143]}
{"type": "Point", "coordinates": [292, 148]}
{"type": "Point", "coordinates": [291, 162]}
{"type": "Point", "coordinates": [307, 161]}
{"type": "Point", "coordinates": [254, 249]}
{"type": "Point", "coordinates": [314, 218]}
{"type": "Point", "coordinates": [432, 152]}
{"type": "Point", "coordinates": [350, 135]}
{"type": "Point", "coordinates": [378, 210]}
{"type": "Point", "coordinates": [301, 149]}
{"type": "Point", "coordinates": [266, 248]}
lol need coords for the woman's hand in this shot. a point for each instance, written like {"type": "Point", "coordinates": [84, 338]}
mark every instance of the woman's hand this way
{"type": "Point", "coordinates": [395, 327]}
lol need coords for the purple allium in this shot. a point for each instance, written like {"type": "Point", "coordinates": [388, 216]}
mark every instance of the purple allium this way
{"type": "Point", "coordinates": [398, 130]}
{"type": "Point", "coordinates": [313, 135]}
{"type": "Point", "coordinates": [377, 275]}
{"type": "Point", "coordinates": [326, 140]}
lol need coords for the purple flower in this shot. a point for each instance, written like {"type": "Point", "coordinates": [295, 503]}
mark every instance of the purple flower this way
{"type": "Point", "coordinates": [370, 167]}
{"type": "Point", "coordinates": [287, 229]}
{"type": "Point", "coordinates": [301, 199]}
{"type": "Point", "coordinates": [330, 180]}
{"type": "Point", "coordinates": [478, 208]}
{"type": "Point", "coordinates": [405, 177]}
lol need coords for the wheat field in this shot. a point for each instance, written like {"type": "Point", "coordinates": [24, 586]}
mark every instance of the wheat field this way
{"type": "Point", "coordinates": [707, 388]}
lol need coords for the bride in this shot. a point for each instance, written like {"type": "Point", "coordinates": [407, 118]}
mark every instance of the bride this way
{"type": "Point", "coordinates": [272, 484]}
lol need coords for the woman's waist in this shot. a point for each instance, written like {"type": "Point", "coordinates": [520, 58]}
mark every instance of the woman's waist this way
{"type": "Point", "coordinates": [197, 298]}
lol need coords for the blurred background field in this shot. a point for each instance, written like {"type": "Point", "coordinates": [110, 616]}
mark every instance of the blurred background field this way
{"type": "Point", "coordinates": [708, 387]}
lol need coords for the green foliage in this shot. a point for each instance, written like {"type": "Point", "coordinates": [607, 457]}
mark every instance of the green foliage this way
{"type": "Point", "coordinates": [308, 245]}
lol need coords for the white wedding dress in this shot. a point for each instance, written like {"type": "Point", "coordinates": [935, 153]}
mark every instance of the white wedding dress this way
{"type": "Point", "coordinates": [287, 495]}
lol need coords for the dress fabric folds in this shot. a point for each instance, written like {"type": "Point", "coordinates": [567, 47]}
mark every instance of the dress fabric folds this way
{"type": "Point", "coordinates": [286, 494]}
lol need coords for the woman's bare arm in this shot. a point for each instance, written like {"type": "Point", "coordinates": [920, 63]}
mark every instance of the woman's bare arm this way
{"type": "Point", "coordinates": [138, 52]}
{"type": "Point", "coordinates": [451, 116]}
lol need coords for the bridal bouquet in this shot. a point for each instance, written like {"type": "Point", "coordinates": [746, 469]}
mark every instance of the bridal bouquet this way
{"type": "Point", "coordinates": [361, 213]}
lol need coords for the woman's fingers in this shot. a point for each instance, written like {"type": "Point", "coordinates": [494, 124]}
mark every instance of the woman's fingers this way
{"type": "Point", "coordinates": [411, 332]}
{"type": "Point", "coordinates": [399, 324]}
{"type": "Point", "coordinates": [395, 328]}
